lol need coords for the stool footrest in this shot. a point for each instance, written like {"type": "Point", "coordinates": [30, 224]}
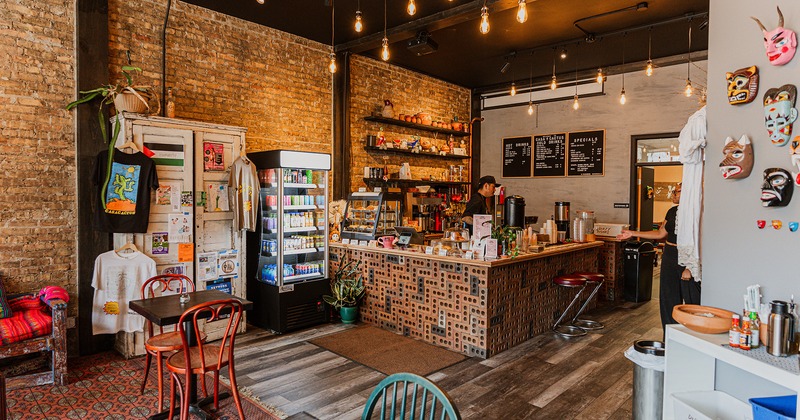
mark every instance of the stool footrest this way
{"type": "Point", "coordinates": [569, 331]}
{"type": "Point", "coordinates": [588, 324]}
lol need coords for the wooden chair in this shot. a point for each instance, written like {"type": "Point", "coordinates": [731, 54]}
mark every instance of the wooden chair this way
{"type": "Point", "coordinates": [396, 405]}
{"type": "Point", "coordinates": [162, 344]}
{"type": "Point", "coordinates": [205, 357]}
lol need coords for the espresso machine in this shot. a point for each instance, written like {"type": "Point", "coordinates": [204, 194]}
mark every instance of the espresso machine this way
{"type": "Point", "coordinates": [561, 216]}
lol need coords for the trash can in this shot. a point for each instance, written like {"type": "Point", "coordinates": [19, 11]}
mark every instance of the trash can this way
{"type": "Point", "coordinates": [639, 258]}
{"type": "Point", "coordinates": [648, 378]}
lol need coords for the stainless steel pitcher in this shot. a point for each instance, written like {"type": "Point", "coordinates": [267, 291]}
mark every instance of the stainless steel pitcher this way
{"type": "Point", "coordinates": [781, 329]}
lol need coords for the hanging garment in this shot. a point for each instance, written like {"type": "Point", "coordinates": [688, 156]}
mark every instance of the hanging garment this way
{"type": "Point", "coordinates": [118, 279]}
{"type": "Point", "coordinates": [123, 203]}
{"type": "Point", "coordinates": [692, 143]}
{"type": "Point", "coordinates": [243, 188]}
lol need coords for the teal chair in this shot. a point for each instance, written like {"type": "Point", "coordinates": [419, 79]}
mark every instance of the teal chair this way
{"type": "Point", "coordinates": [416, 394]}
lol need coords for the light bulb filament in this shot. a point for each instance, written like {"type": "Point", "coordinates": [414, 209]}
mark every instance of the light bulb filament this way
{"type": "Point", "coordinates": [649, 70]}
{"type": "Point", "coordinates": [522, 12]}
{"type": "Point", "coordinates": [553, 83]}
{"type": "Point", "coordinates": [575, 103]}
{"type": "Point", "coordinates": [622, 98]}
{"type": "Point", "coordinates": [332, 65]}
{"type": "Point", "coordinates": [688, 91]}
{"type": "Point", "coordinates": [513, 89]}
{"type": "Point", "coordinates": [484, 20]}
{"type": "Point", "coordinates": [530, 108]}
{"type": "Point", "coordinates": [600, 76]}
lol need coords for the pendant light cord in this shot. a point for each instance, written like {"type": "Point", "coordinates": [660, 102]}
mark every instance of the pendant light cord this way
{"type": "Point", "coordinates": [689, 54]}
{"type": "Point", "coordinates": [624, 34]}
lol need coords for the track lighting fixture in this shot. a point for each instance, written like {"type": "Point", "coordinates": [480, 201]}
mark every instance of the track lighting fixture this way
{"type": "Point", "coordinates": [522, 12]}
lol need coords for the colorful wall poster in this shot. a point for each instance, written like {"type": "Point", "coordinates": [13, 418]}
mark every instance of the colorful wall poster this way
{"type": "Point", "coordinates": [213, 157]}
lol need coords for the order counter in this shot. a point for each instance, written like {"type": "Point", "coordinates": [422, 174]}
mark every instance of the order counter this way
{"type": "Point", "coordinates": [478, 308]}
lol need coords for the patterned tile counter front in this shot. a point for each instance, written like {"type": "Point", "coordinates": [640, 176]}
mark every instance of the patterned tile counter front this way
{"type": "Point", "coordinates": [478, 308]}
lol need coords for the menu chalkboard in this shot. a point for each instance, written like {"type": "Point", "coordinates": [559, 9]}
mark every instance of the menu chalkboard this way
{"type": "Point", "coordinates": [549, 154]}
{"type": "Point", "coordinates": [516, 157]}
{"type": "Point", "coordinates": [586, 152]}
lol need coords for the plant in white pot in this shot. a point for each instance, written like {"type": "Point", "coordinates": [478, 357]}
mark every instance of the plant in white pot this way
{"type": "Point", "coordinates": [347, 289]}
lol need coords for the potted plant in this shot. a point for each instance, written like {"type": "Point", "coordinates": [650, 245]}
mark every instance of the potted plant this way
{"type": "Point", "coordinates": [347, 289]}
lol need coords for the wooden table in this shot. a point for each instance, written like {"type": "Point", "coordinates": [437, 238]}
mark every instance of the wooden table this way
{"type": "Point", "coordinates": [167, 310]}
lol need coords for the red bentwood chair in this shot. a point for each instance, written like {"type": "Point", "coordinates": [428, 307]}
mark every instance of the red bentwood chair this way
{"type": "Point", "coordinates": [162, 344]}
{"type": "Point", "coordinates": [205, 357]}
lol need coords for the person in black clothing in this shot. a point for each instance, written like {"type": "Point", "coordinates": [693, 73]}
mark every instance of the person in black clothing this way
{"type": "Point", "coordinates": [677, 284]}
{"type": "Point", "coordinates": [477, 203]}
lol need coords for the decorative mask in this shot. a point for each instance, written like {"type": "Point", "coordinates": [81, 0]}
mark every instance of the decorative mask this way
{"type": "Point", "coordinates": [780, 42]}
{"type": "Point", "coordinates": [742, 85]}
{"type": "Point", "coordinates": [761, 223]}
{"type": "Point", "coordinates": [793, 226]}
{"type": "Point", "coordinates": [779, 113]}
{"type": "Point", "coordinates": [795, 146]}
{"type": "Point", "coordinates": [776, 191]}
{"type": "Point", "coordinates": [738, 161]}
{"type": "Point", "coordinates": [777, 224]}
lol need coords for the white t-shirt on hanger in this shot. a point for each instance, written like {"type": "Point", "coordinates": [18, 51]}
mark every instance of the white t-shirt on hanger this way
{"type": "Point", "coordinates": [117, 280]}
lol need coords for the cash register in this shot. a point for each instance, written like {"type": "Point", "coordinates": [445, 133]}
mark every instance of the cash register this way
{"type": "Point", "coordinates": [407, 235]}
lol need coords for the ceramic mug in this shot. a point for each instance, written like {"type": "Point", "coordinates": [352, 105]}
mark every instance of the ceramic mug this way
{"type": "Point", "coordinates": [387, 241]}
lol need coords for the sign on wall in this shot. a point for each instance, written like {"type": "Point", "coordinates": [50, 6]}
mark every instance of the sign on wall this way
{"type": "Point", "coordinates": [549, 154]}
{"type": "Point", "coordinates": [516, 157]}
{"type": "Point", "coordinates": [586, 153]}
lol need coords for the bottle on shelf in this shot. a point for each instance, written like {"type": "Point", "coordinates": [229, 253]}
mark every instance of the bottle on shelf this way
{"type": "Point", "coordinates": [170, 104]}
{"type": "Point", "coordinates": [755, 333]}
{"type": "Point", "coordinates": [734, 334]}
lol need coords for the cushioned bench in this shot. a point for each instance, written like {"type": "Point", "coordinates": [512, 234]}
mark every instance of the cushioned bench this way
{"type": "Point", "coordinates": [36, 326]}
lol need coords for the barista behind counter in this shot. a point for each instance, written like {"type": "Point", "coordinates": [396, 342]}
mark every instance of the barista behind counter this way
{"type": "Point", "coordinates": [477, 203]}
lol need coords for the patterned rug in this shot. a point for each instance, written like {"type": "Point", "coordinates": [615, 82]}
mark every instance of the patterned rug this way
{"type": "Point", "coordinates": [106, 386]}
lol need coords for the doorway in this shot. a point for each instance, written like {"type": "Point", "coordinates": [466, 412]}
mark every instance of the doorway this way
{"type": "Point", "coordinates": [655, 170]}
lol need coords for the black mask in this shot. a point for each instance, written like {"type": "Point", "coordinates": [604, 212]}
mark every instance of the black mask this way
{"type": "Point", "coordinates": [776, 191]}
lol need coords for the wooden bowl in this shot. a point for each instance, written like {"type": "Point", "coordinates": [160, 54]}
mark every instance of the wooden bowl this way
{"type": "Point", "coordinates": [703, 319]}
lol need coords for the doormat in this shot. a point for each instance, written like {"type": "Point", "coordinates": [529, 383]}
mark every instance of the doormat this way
{"type": "Point", "coordinates": [106, 386]}
{"type": "Point", "coordinates": [388, 352]}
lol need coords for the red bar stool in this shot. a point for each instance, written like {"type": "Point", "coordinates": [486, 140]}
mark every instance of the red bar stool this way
{"type": "Point", "coordinates": [572, 281]}
{"type": "Point", "coordinates": [591, 278]}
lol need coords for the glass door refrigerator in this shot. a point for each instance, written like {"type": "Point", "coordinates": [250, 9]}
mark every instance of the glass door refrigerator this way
{"type": "Point", "coordinates": [287, 255]}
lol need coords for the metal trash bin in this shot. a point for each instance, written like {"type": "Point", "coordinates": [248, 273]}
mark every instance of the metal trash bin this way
{"type": "Point", "coordinates": [639, 258]}
{"type": "Point", "coordinates": [648, 378]}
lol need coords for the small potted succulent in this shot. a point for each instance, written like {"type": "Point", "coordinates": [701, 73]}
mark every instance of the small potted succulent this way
{"type": "Point", "coordinates": [347, 289]}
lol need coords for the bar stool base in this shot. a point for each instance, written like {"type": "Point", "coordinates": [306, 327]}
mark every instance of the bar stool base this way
{"type": "Point", "coordinates": [588, 324]}
{"type": "Point", "coordinates": [568, 331]}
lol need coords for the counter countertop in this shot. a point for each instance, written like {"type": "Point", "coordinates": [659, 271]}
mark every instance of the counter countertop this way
{"type": "Point", "coordinates": [549, 251]}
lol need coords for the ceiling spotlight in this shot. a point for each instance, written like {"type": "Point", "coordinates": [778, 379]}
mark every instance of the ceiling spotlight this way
{"type": "Point", "coordinates": [522, 12]}
{"type": "Point", "coordinates": [563, 53]}
{"type": "Point", "coordinates": [484, 20]}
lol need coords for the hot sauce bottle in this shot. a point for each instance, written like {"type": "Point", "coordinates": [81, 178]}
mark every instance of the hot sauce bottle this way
{"type": "Point", "coordinates": [745, 336]}
{"type": "Point", "coordinates": [735, 332]}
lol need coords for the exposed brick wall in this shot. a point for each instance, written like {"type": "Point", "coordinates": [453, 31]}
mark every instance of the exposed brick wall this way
{"type": "Point", "coordinates": [38, 221]}
{"type": "Point", "coordinates": [373, 81]}
{"type": "Point", "coordinates": [229, 71]}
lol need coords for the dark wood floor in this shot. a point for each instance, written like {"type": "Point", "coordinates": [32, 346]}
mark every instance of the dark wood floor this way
{"type": "Point", "coordinates": [547, 377]}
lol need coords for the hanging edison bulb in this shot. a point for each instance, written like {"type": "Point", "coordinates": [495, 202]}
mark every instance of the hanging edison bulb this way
{"type": "Point", "coordinates": [332, 65]}
{"type": "Point", "coordinates": [359, 24]}
{"type": "Point", "coordinates": [600, 76]}
{"type": "Point", "coordinates": [513, 89]}
{"type": "Point", "coordinates": [522, 12]}
{"type": "Point", "coordinates": [412, 8]}
{"type": "Point", "coordinates": [622, 98]}
{"type": "Point", "coordinates": [260, 1]}
{"type": "Point", "coordinates": [553, 83]}
{"type": "Point", "coordinates": [575, 103]}
{"type": "Point", "coordinates": [688, 91]}
{"type": "Point", "coordinates": [649, 69]}
{"type": "Point", "coordinates": [484, 20]}
{"type": "Point", "coordinates": [530, 108]}
{"type": "Point", "coordinates": [385, 49]}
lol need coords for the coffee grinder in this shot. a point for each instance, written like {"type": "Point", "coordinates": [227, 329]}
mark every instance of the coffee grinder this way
{"type": "Point", "coordinates": [561, 216]}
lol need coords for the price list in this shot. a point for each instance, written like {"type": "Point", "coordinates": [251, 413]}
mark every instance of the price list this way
{"type": "Point", "coordinates": [549, 154]}
{"type": "Point", "coordinates": [516, 157]}
{"type": "Point", "coordinates": [586, 153]}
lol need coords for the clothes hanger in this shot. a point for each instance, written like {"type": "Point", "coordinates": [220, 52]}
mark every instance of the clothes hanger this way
{"type": "Point", "coordinates": [130, 145]}
{"type": "Point", "coordinates": [130, 246]}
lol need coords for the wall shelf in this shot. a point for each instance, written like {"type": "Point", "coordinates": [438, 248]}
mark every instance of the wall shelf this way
{"type": "Point", "coordinates": [392, 121]}
{"type": "Point", "coordinates": [408, 152]}
{"type": "Point", "coordinates": [411, 182]}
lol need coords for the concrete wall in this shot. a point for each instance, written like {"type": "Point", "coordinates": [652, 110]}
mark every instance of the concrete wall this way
{"type": "Point", "coordinates": [735, 252]}
{"type": "Point", "coordinates": [655, 105]}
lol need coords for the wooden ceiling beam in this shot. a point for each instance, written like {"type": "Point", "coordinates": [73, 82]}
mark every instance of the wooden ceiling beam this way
{"type": "Point", "coordinates": [440, 20]}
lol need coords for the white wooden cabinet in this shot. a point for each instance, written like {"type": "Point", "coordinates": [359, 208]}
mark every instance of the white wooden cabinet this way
{"type": "Point", "coordinates": [179, 147]}
{"type": "Point", "coordinates": [698, 362]}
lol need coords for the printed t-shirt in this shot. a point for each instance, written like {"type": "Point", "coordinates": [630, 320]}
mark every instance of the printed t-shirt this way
{"type": "Point", "coordinates": [124, 206]}
{"type": "Point", "coordinates": [118, 279]}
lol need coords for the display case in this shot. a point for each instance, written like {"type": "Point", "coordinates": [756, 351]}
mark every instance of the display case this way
{"type": "Point", "coordinates": [370, 215]}
{"type": "Point", "coordinates": [288, 252]}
